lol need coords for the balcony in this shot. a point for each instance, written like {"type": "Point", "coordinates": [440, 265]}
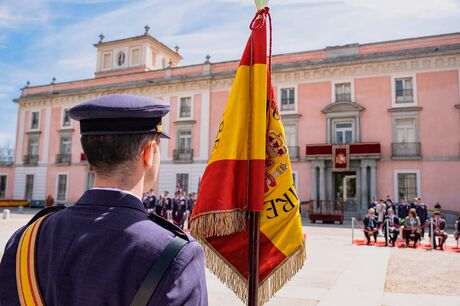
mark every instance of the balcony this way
{"type": "Point", "coordinates": [406, 150]}
{"type": "Point", "coordinates": [404, 95]}
{"type": "Point", "coordinates": [183, 155]}
{"type": "Point", "coordinates": [293, 153]}
{"type": "Point", "coordinates": [30, 160]}
{"type": "Point", "coordinates": [345, 97]}
{"type": "Point", "coordinates": [63, 159]}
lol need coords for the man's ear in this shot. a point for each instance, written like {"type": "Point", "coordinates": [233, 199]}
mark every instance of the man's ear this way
{"type": "Point", "coordinates": [147, 154]}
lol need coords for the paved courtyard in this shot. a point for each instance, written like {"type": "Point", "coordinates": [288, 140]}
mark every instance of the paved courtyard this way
{"type": "Point", "coordinates": [339, 273]}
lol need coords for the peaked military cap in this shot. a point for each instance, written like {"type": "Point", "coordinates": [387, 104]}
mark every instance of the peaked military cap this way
{"type": "Point", "coordinates": [120, 114]}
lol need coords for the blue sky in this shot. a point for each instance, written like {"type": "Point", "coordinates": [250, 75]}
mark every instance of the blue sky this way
{"type": "Point", "coordinates": [42, 39]}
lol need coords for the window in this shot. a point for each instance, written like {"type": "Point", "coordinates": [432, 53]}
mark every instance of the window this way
{"type": "Point", "coordinates": [32, 148]}
{"type": "Point", "coordinates": [66, 144]}
{"type": "Point", "coordinates": [34, 120]}
{"type": "Point", "coordinates": [290, 132]}
{"type": "Point", "coordinates": [287, 99]}
{"type": "Point", "coordinates": [405, 130]}
{"type": "Point", "coordinates": [3, 186]}
{"type": "Point", "coordinates": [185, 107]}
{"type": "Point", "coordinates": [121, 58]}
{"type": "Point", "coordinates": [62, 187]}
{"type": "Point", "coordinates": [106, 61]}
{"type": "Point", "coordinates": [407, 185]}
{"type": "Point", "coordinates": [343, 132]}
{"type": "Point", "coordinates": [29, 186]}
{"type": "Point", "coordinates": [90, 180]}
{"type": "Point", "coordinates": [405, 138]}
{"type": "Point", "coordinates": [185, 140]}
{"type": "Point", "coordinates": [135, 56]}
{"type": "Point", "coordinates": [343, 92]}
{"type": "Point", "coordinates": [182, 182]}
{"type": "Point", "coordinates": [65, 118]}
{"type": "Point", "coordinates": [404, 90]}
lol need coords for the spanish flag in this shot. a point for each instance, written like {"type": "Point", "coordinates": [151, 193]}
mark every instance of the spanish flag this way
{"type": "Point", "coordinates": [249, 170]}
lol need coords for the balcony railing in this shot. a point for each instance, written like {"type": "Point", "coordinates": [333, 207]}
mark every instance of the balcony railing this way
{"type": "Point", "coordinates": [30, 160]}
{"type": "Point", "coordinates": [346, 97]}
{"type": "Point", "coordinates": [183, 155]}
{"type": "Point", "coordinates": [406, 150]}
{"type": "Point", "coordinates": [293, 152]}
{"type": "Point", "coordinates": [404, 95]}
{"type": "Point", "coordinates": [63, 159]}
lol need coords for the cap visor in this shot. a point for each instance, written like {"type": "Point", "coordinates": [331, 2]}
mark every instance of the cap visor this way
{"type": "Point", "coordinates": [164, 135]}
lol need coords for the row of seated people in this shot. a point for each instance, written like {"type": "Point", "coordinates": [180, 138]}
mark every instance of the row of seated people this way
{"type": "Point", "coordinates": [177, 210]}
{"type": "Point", "coordinates": [410, 227]}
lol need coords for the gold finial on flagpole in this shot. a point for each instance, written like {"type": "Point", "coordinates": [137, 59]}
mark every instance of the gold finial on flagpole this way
{"type": "Point", "coordinates": [260, 4]}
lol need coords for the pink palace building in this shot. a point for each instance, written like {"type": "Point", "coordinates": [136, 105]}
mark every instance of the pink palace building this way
{"type": "Point", "coordinates": [361, 120]}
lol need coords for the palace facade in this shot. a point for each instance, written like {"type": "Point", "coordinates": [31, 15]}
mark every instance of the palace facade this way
{"type": "Point", "coordinates": [361, 120]}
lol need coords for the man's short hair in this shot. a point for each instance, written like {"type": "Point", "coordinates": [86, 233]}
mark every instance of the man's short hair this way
{"type": "Point", "coordinates": [437, 213]}
{"type": "Point", "coordinates": [109, 153]}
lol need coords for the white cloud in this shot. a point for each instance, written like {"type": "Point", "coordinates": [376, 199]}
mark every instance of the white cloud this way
{"type": "Point", "coordinates": [16, 13]}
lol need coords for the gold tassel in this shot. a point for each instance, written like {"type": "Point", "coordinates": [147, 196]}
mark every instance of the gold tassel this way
{"type": "Point", "coordinates": [218, 223]}
{"type": "Point", "coordinates": [235, 281]}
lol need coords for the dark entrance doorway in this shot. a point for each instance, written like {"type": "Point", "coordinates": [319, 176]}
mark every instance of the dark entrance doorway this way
{"type": "Point", "coordinates": [345, 190]}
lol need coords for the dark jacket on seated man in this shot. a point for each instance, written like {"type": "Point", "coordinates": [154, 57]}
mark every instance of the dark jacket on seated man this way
{"type": "Point", "coordinates": [412, 228]}
{"type": "Point", "coordinates": [370, 226]}
{"type": "Point", "coordinates": [439, 229]}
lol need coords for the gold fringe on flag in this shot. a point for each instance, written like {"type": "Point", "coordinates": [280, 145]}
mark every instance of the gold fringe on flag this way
{"type": "Point", "coordinates": [218, 223]}
{"type": "Point", "coordinates": [239, 285]}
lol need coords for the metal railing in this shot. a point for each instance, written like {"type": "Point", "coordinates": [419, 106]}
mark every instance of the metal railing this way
{"type": "Point", "coordinates": [30, 160]}
{"type": "Point", "coordinates": [183, 155]}
{"type": "Point", "coordinates": [345, 97]}
{"type": "Point", "coordinates": [63, 159]}
{"type": "Point", "coordinates": [406, 149]}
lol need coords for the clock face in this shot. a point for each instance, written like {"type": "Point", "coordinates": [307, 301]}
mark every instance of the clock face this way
{"type": "Point", "coordinates": [121, 58]}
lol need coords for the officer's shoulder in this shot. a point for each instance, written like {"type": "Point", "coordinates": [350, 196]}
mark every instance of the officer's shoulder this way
{"type": "Point", "coordinates": [165, 224]}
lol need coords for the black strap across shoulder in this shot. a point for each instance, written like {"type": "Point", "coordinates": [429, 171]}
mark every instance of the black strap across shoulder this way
{"type": "Point", "coordinates": [157, 271]}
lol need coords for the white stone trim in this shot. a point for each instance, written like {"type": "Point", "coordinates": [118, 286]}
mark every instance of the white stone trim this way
{"type": "Point", "coordinates": [40, 179]}
{"type": "Point", "coordinates": [164, 143]}
{"type": "Point", "coordinates": [204, 125]}
{"type": "Point", "coordinates": [340, 81]}
{"type": "Point", "coordinates": [296, 98]}
{"type": "Point", "coordinates": [412, 75]}
{"type": "Point", "coordinates": [66, 186]}
{"type": "Point", "coordinates": [20, 137]}
{"type": "Point", "coordinates": [46, 134]}
{"type": "Point", "coordinates": [179, 97]}
{"type": "Point", "coordinates": [6, 185]}
{"type": "Point", "coordinates": [101, 64]}
{"type": "Point", "coordinates": [167, 177]}
{"type": "Point", "coordinates": [408, 171]}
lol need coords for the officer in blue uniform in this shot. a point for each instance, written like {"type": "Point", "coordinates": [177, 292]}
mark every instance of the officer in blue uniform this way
{"type": "Point", "coordinates": [105, 248]}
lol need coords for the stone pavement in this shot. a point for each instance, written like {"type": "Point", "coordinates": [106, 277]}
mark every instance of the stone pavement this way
{"type": "Point", "coordinates": [339, 273]}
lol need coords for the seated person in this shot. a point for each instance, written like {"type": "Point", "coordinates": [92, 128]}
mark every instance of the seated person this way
{"type": "Point", "coordinates": [393, 227]}
{"type": "Point", "coordinates": [370, 226]}
{"type": "Point", "coordinates": [439, 229]}
{"type": "Point", "coordinates": [457, 228]}
{"type": "Point", "coordinates": [412, 227]}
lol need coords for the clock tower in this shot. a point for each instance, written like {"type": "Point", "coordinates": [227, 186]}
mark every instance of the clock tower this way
{"type": "Point", "coordinates": [134, 54]}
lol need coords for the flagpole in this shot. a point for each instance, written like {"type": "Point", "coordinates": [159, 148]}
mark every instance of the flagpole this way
{"type": "Point", "coordinates": [253, 277]}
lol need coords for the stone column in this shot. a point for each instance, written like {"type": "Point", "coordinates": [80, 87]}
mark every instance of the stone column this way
{"type": "Point", "coordinates": [314, 179]}
{"type": "Point", "coordinates": [373, 180]}
{"type": "Point", "coordinates": [364, 199]}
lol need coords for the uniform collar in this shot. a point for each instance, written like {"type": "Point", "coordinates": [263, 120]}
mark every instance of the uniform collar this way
{"type": "Point", "coordinates": [110, 197]}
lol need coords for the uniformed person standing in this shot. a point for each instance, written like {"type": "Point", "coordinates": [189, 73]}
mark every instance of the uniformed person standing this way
{"type": "Point", "coordinates": [103, 249]}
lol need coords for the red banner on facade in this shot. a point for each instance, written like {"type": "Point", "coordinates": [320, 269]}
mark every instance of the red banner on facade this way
{"type": "Point", "coordinates": [341, 157]}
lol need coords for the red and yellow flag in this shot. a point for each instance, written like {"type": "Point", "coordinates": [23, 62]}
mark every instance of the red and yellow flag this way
{"type": "Point", "coordinates": [249, 170]}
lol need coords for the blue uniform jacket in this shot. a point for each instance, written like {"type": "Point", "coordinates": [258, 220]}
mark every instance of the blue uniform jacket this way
{"type": "Point", "coordinates": [99, 251]}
